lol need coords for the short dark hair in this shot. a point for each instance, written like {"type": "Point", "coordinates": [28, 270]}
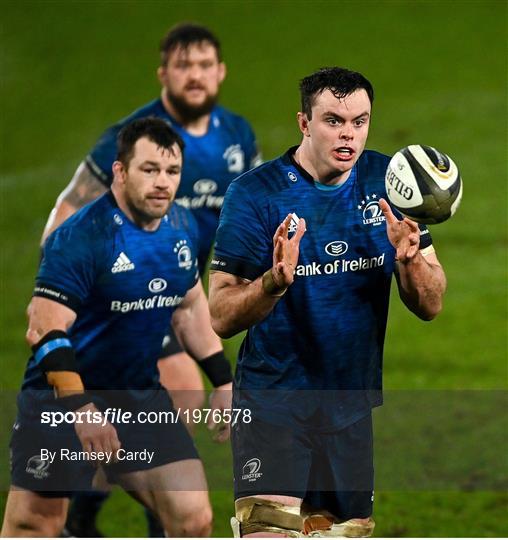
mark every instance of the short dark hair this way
{"type": "Point", "coordinates": [340, 81]}
{"type": "Point", "coordinates": [185, 34]}
{"type": "Point", "coordinates": [154, 129]}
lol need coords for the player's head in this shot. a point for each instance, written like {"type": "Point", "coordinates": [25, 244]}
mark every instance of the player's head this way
{"type": "Point", "coordinates": [191, 70]}
{"type": "Point", "coordinates": [334, 118]}
{"type": "Point", "coordinates": [147, 169]}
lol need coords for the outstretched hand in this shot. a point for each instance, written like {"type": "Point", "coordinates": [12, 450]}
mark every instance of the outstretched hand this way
{"type": "Point", "coordinates": [285, 252]}
{"type": "Point", "coordinates": [404, 235]}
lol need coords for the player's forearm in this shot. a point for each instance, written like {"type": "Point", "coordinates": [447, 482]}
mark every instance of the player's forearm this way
{"type": "Point", "coordinates": [197, 336]}
{"type": "Point", "coordinates": [236, 307]}
{"type": "Point", "coordinates": [422, 286]}
{"type": "Point", "coordinates": [193, 328]}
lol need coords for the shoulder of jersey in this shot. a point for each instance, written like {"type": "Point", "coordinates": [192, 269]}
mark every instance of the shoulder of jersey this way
{"type": "Point", "coordinates": [96, 216]}
{"type": "Point", "coordinates": [373, 163]}
{"type": "Point", "coordinates": [93, 221]}
{"type": "Point", "coordinates": [269, 177]}
{"type": "Point", "coordinates": [231, 119]}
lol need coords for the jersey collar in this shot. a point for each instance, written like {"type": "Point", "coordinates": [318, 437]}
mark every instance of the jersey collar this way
{"type": "Point", "coordinates": [289, 159]}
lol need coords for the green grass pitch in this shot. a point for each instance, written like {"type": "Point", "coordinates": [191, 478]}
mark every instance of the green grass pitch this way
{"type": "Point", "coordinates": [439, 71]}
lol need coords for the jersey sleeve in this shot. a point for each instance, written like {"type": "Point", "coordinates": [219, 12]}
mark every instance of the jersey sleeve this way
{"type": "Point", "coordinates": [243, 244]}
{"type": "Point", "coordinates": [67, 268]}
{"type": "Point", "coordinates": [103, 154]}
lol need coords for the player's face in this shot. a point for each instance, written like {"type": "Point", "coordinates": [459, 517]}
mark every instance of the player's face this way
{"type": "Point", "coordinates": [151, 179]}
{"type": "Point", "coordinates": [337, 132]}
{"type": "Point", "coordinates": [191, 79]}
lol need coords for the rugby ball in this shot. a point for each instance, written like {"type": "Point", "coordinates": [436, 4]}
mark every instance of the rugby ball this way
{"type": "Point", "coordinates": [423, 184]}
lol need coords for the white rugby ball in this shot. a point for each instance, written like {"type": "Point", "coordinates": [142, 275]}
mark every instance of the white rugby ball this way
{"type": "Point", "coordinates": [423, 184]}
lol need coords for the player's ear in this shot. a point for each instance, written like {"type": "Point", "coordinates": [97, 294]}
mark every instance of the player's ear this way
{"type": "Point", "coordinates": [161, 75]}
{"type": "Point", "coordinates": [222, 72]}
{"type": "Point", "coordinates": [119, 171]}
{"type": "Point", "coordinates": [303, 123]}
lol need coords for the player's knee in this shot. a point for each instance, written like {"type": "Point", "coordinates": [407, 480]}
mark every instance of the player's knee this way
{"type": "Point", "coordinates": [189, 522]}
{"type": "Point", "coordinates": [27, 514]}
{"type": "Point", "coordinates": [199, 523]}
{"type": "Point", "coordinates": [255, 516]}
{"type": "Point", "coordinates": [33, 525]}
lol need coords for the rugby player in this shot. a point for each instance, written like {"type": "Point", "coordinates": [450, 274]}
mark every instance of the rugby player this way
{"type": "Point", "coordinates": [109, 282]}
{"type": "Point", "coordinates": [305, 252]}
{"type": "Point", "coordinates": [219, 144]}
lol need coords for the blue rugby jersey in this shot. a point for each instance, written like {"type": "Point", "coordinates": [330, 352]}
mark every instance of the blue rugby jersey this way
{"type": "Point", "coordinates": [327, 332]}
{"type": "Point", "coordinates": [123, 283]}
{"type": "Point", "coordinates": [211, 162]}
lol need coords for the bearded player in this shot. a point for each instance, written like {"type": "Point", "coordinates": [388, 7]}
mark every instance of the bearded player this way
{"type": "Point", "coordinates": [110, 280]}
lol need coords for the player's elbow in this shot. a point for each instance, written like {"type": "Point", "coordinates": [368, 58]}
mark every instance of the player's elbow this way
{"type": "Point", "coordinates": [430, 312]}
{"type": "Point", "coordinates": [223, 328]}
{"type": "Point", "coordinates": [221, 322]}
{"type": "Point", "coordinates": [32, 337]}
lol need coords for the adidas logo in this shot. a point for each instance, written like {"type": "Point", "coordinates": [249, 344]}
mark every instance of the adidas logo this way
{"type": "Point", "coordinates": [294, 223]}
{"type": "Point", "coordinates": [122, 264]}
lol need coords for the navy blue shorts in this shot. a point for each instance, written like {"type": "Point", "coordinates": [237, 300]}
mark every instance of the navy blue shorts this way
{"type": "Point", "coordinates": [331, 470]}
{"type": "Point", "coordinates": [42, 456]}
{"type": "Point", "coordinates": [170, 344]}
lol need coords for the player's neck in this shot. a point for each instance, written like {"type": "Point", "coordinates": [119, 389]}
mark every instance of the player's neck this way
{"type": "Point", "coordinates": [141, 220]}
{"type": "Point", "coordinates": [195, 126]}
{"type": "Point", "coordinates": [304, 157]}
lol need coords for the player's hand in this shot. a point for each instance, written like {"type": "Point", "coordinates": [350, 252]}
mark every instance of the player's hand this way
{"type": "Point", "coordinates": [96, 437]}
{"type": "Point", "coordinates": [285, 252]}
{"type": "Point", "coordinates": [403, 235]}
{"type": "Point", "coordinates": [220, 400]}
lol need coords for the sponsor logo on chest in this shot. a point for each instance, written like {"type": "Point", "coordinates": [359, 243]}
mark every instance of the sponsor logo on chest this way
{"type": "Point", "coordinates": [340, 266]}
{"type": "Point", "coordinates": [204, 197]}
{"type": "Point", "coordinates": [156, 286]}
{"type": "Point", "coordinates": [144, 304]}
{"type": "Point", "coordinates": [336, 249]}
{"type": "Point", "coordinates": [156, 301]}
{"type": "Point", "coordinates": [122, 264]}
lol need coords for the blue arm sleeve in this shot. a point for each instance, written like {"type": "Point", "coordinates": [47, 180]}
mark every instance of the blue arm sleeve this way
{"type": "Point", "coordinates": [244, 245]}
